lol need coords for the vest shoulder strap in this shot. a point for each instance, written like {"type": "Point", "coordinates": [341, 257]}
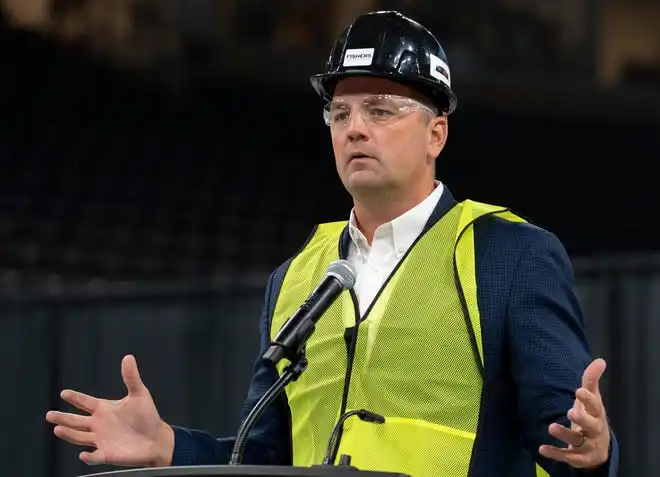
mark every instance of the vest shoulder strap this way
{"type": "Point", "coordinates": [472, 211]}
{"type": "Point", "coordinates": [330, 229]}
{"type": "Point", "coordinates": [465, 266]}
{"type": "Point", "coordinates": [465, 261]}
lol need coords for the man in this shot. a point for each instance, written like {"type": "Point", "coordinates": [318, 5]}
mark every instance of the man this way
{"type": "Point", "coordinates": [463, 328]}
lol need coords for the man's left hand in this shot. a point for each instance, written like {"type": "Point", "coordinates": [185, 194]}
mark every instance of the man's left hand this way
{"type": "Point", "coordinates": [588, 438]}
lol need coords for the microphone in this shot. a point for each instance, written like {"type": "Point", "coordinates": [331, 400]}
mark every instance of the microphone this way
{"type": "Point", "coordinates": [333, 442]}
{"type": "Point", "coordinates": [290, 340]}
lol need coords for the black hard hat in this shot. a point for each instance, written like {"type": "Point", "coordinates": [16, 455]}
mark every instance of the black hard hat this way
{"type": "Point", "coordinates": [387, 44]}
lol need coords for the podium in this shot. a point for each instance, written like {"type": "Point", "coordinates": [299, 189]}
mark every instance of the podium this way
{"type": "Point", "coordinates": [248, 471]}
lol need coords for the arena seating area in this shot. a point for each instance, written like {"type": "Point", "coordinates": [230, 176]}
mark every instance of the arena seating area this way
{"type": "Point", "coordinates": [105, 177]}
{"type": "Point", "coordinates": [134, 185]}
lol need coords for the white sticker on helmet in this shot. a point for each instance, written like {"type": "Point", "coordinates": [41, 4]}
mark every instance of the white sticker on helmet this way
{"type": "Point", "coordinates": [440, 70]}
{"type": "Point", "coordinates": [359, 57]}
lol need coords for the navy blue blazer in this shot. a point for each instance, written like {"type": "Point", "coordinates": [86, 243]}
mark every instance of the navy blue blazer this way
{"type": "Point", "coordinates": [535, 352]}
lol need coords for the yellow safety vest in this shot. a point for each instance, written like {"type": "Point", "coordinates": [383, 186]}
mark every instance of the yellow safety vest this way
{"type": "Point", "coordinates": [415, 360]}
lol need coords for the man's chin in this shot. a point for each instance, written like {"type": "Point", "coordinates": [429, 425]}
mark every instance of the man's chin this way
{"type": "Point", "coordinates": [365, 182]}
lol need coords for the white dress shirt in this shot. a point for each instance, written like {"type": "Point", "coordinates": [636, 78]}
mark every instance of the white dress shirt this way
{"type": "Point", "coordinates": [373, 264]}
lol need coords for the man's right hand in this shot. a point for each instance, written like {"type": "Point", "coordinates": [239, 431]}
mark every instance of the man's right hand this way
{"type": "Point", "coordinates": [127, 432]}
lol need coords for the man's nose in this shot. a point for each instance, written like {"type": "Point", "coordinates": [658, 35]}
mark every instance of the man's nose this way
{"type": "Point", "coordinates": [357, 129]}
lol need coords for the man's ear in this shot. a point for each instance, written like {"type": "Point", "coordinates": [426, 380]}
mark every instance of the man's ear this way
{"type": "Point", "coordinates": [438, 131]}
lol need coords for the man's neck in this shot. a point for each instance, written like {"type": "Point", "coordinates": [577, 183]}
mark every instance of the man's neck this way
{"type": "Point", "coordinates": [373, 212]}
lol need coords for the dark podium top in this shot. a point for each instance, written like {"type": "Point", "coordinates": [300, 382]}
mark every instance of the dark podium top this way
{"type": "Point", "coordinates": [247, 471]}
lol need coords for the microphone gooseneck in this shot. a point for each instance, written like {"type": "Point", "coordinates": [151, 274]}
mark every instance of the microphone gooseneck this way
{"type": "Point", "coordinates": [333, 442]}
{"type": "Point", "coordinates": [290, 343]}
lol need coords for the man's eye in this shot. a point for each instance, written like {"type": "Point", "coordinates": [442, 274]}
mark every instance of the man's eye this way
{"type": "Point", "coordinates": [340, 116]}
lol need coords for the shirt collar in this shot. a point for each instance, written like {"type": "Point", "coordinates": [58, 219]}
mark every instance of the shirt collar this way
{"type": "Point", "coordinates": [403, 230]}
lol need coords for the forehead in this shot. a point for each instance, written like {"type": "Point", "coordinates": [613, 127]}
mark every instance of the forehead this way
{"type": "Point", "coordinates": [366, 85]}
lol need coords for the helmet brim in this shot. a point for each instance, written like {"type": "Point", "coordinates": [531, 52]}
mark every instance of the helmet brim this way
{"type": "Point", "coordinates": [444, 98]}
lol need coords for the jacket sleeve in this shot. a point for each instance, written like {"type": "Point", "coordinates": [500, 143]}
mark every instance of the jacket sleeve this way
{"type": "Point", "coordinates": [549, 350]}
{"type": "Point", "coordinates": [269, 441]}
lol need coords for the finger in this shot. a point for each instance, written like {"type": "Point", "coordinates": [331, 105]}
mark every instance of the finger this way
{"type": "Point", "coordinates": [93, 458]}
{"type": "Point", "coordinates": [79, 438]}
{"type": "Point", "coordinates": [590, 425]}
{"type": "Point", "coordinates": [577, 403]}
{"type": "Point", "coordinates": [73, 421]}
{"type": "Point", "coordinates": [131, 375]}
{"type": "Point", "coordinates": [81, 401]}
{"type": "Point", "coordinates": [564, 455]}
{"type": "Point", "coordinates": [590, 402]}
{"type": "Point", "coordinates": [593, 374]}
{"type": "Point", "coordinates": [571, 437]}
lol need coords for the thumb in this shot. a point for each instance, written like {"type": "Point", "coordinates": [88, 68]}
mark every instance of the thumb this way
{"type": "Point", "coordinates": [592, 375]}
{"type": "Point", "coordinates": [131, 375]}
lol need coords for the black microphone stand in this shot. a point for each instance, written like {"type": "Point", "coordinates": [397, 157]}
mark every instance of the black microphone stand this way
{"type": "Point", "coordinates": [290, 344]}
{"type": "Point", "coordinates": [292, 349]}
{"type": "Point", "coordinates": [291, 373]}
